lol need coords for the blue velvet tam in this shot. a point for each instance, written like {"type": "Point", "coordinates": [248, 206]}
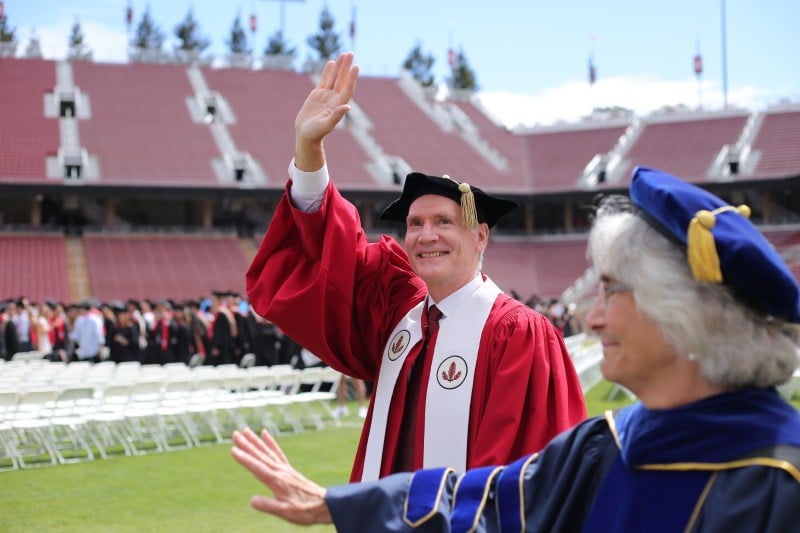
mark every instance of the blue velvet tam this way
{"type": "Point", "coordinates": [722, 245]}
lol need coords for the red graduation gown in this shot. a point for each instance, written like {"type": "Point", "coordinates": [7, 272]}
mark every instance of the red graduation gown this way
{"type": "Point", "coordinates": [318, 279]}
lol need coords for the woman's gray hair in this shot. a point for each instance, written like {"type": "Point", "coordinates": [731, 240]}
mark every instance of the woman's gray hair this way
{"type": "Point", "coordinates": [734, 344]}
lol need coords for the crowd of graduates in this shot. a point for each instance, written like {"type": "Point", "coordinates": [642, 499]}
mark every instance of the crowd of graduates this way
{"type": "Point", "coordinates": [562, 316]}
{"type": "Point", "coordinates": [220, 328]}
{"type": "Point", "coordinates": [213, 330]}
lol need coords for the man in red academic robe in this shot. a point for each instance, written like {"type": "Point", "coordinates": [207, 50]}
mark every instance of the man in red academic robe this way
{"type": "Point", "coordinates": [491, 383]}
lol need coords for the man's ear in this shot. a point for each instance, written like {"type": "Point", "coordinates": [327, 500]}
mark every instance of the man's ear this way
{"type": "Point", "coordinates": [483, 235]}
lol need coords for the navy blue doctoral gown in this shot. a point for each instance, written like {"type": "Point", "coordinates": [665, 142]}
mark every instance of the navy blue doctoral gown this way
{"type": "Point", "coordinates": [730, 462]}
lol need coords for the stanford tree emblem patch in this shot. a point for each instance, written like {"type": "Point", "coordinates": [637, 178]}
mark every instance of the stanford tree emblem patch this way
{"type": "Point", "coordinates": [452, 372]}
{"type": "Point", "coordinates": [398, 345]}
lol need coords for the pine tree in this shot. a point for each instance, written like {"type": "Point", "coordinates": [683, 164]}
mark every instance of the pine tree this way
{"type": "Point", "coordinates": [8, 44]}
{"type": "Point", "coordinates": [188, 33]}
{"type": "Point", "coordinates": [278, 46]}
{"type": "Point", "coordinates": [77, 49]}
{"type": "Point", "coordinates": [34, 48]}
{"type": "Point", "coordinates": [463, 77]}
{"type": "Point", "coordinates": [326, 42]}
{"type": "Point", "coordinates": [419, 65]}
{"type": "Point", "coordinates": [237, 43]}
{"type": "Point", "coordinates": [148, 35]}
{"type": "Point", "coordinates": [6, 32]}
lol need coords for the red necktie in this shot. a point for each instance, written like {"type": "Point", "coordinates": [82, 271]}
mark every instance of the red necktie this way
{"type": "Point", "coordinates": [404, 460]}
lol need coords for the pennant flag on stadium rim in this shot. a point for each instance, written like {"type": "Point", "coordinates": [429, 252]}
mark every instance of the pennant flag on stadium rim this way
{"type": "Point", "coordinates": [353, 22]}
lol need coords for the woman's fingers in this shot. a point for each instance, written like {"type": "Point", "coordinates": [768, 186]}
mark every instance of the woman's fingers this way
{"type": "Point", "coordinates": [272, 445]}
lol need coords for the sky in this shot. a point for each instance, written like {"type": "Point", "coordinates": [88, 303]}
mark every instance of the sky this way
{"type": "Point", "coordinates": [531, 57]}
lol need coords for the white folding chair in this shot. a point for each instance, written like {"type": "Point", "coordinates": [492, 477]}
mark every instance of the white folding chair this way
{"type": "Point", "coordinates": [174, 423]}
{"type": "Point", "coordinates": [8, 408]}
{"type": "Point", "coordinates": [30, 423]}
{"type": "Point", "coordinates": [260, 390]}
{"type": "Point", "coordinates": [69, 431]}
{"type": "Point", "coordinates": [287, 383]}
{"type": "Point", "coordinates": [318, 387]}
{"type": "Point", "coordinates": [141, 416]}
{"type": "Point", "coordinates": [108, 423]}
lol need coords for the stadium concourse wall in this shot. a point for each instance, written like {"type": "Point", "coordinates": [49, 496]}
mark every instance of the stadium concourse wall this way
{"type": "Point", "coordinates": [115, 172]}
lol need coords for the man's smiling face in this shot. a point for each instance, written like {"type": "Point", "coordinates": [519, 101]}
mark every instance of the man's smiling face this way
{"type": "Point", "coordinates": [441, 251]}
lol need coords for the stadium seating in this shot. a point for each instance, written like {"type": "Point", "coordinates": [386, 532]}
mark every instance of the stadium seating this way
{"type": "Point", "coordinates": [140, 129]}
{"type": "Point", "coordinates": [544, 266]}
{"type": "Point", "coordinates": [402, 128]}
{"type": "Point", "coordinates": [509, 145]}
{"type": "Point", "coordinates": [265, 104]}
{"type": "Point", "coordinates": [35, 266]}
{"type": "Point", "coordinates": [27, 137]}
{"type": "Point", "coordinates": [485, 135]}
{"type": "Point", "coordinates": [159, 267]}
{"type": "Point", "coordinates": [557, 156]}
{"type": "Point", "coordinates": [777, 144]}
{"type": "Point", "coordinates": [684, 146]}
{"type": "Point", "coordinates": [137, 123]}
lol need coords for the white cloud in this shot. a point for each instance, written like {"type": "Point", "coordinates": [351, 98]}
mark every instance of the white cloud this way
{"type": "Point", "coordinates": [642, 94]}
{"type": "Point", "coordinates": [107, 44]}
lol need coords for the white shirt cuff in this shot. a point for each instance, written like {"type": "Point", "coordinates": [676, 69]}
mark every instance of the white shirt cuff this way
{"type": "Point", "coordinates": [308, 188]}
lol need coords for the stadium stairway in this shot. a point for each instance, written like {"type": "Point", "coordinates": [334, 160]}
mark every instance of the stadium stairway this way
{"type": "Point", "coordinates": [78, 274]}
{"type": "Point", "coordinates": [249, 247]}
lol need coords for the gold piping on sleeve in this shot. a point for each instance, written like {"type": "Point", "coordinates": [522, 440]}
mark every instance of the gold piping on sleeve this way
{"type": "Point", "coordinates": [479, 512]}
{"type": "Point", "coordinates": [521, 481]}
{"type": "Point", "coordinates": [432, 512]}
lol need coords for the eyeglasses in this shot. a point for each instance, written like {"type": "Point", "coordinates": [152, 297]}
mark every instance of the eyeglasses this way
{"type": "Point", "coordinates": [610, 287]}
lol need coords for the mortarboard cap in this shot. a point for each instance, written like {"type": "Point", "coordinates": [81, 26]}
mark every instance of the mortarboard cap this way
{"type": "Point", "coordinates": [722, 245]}
{"type": "Point", "coordinates": [476, 205]}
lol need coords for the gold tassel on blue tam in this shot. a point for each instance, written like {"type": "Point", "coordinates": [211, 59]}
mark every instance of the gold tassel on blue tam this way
{"type": "Point", "coordinates": [700, 246]}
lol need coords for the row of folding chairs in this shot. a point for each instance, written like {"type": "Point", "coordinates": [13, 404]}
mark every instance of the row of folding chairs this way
{"type": "Point", "coordinates": [146, 412]}
{"type": "Point", "coordinates": [42, 372]}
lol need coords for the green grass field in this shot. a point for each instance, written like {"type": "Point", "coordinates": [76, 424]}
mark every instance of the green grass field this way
{"type": "Point", "coordinates": [198, 490]}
